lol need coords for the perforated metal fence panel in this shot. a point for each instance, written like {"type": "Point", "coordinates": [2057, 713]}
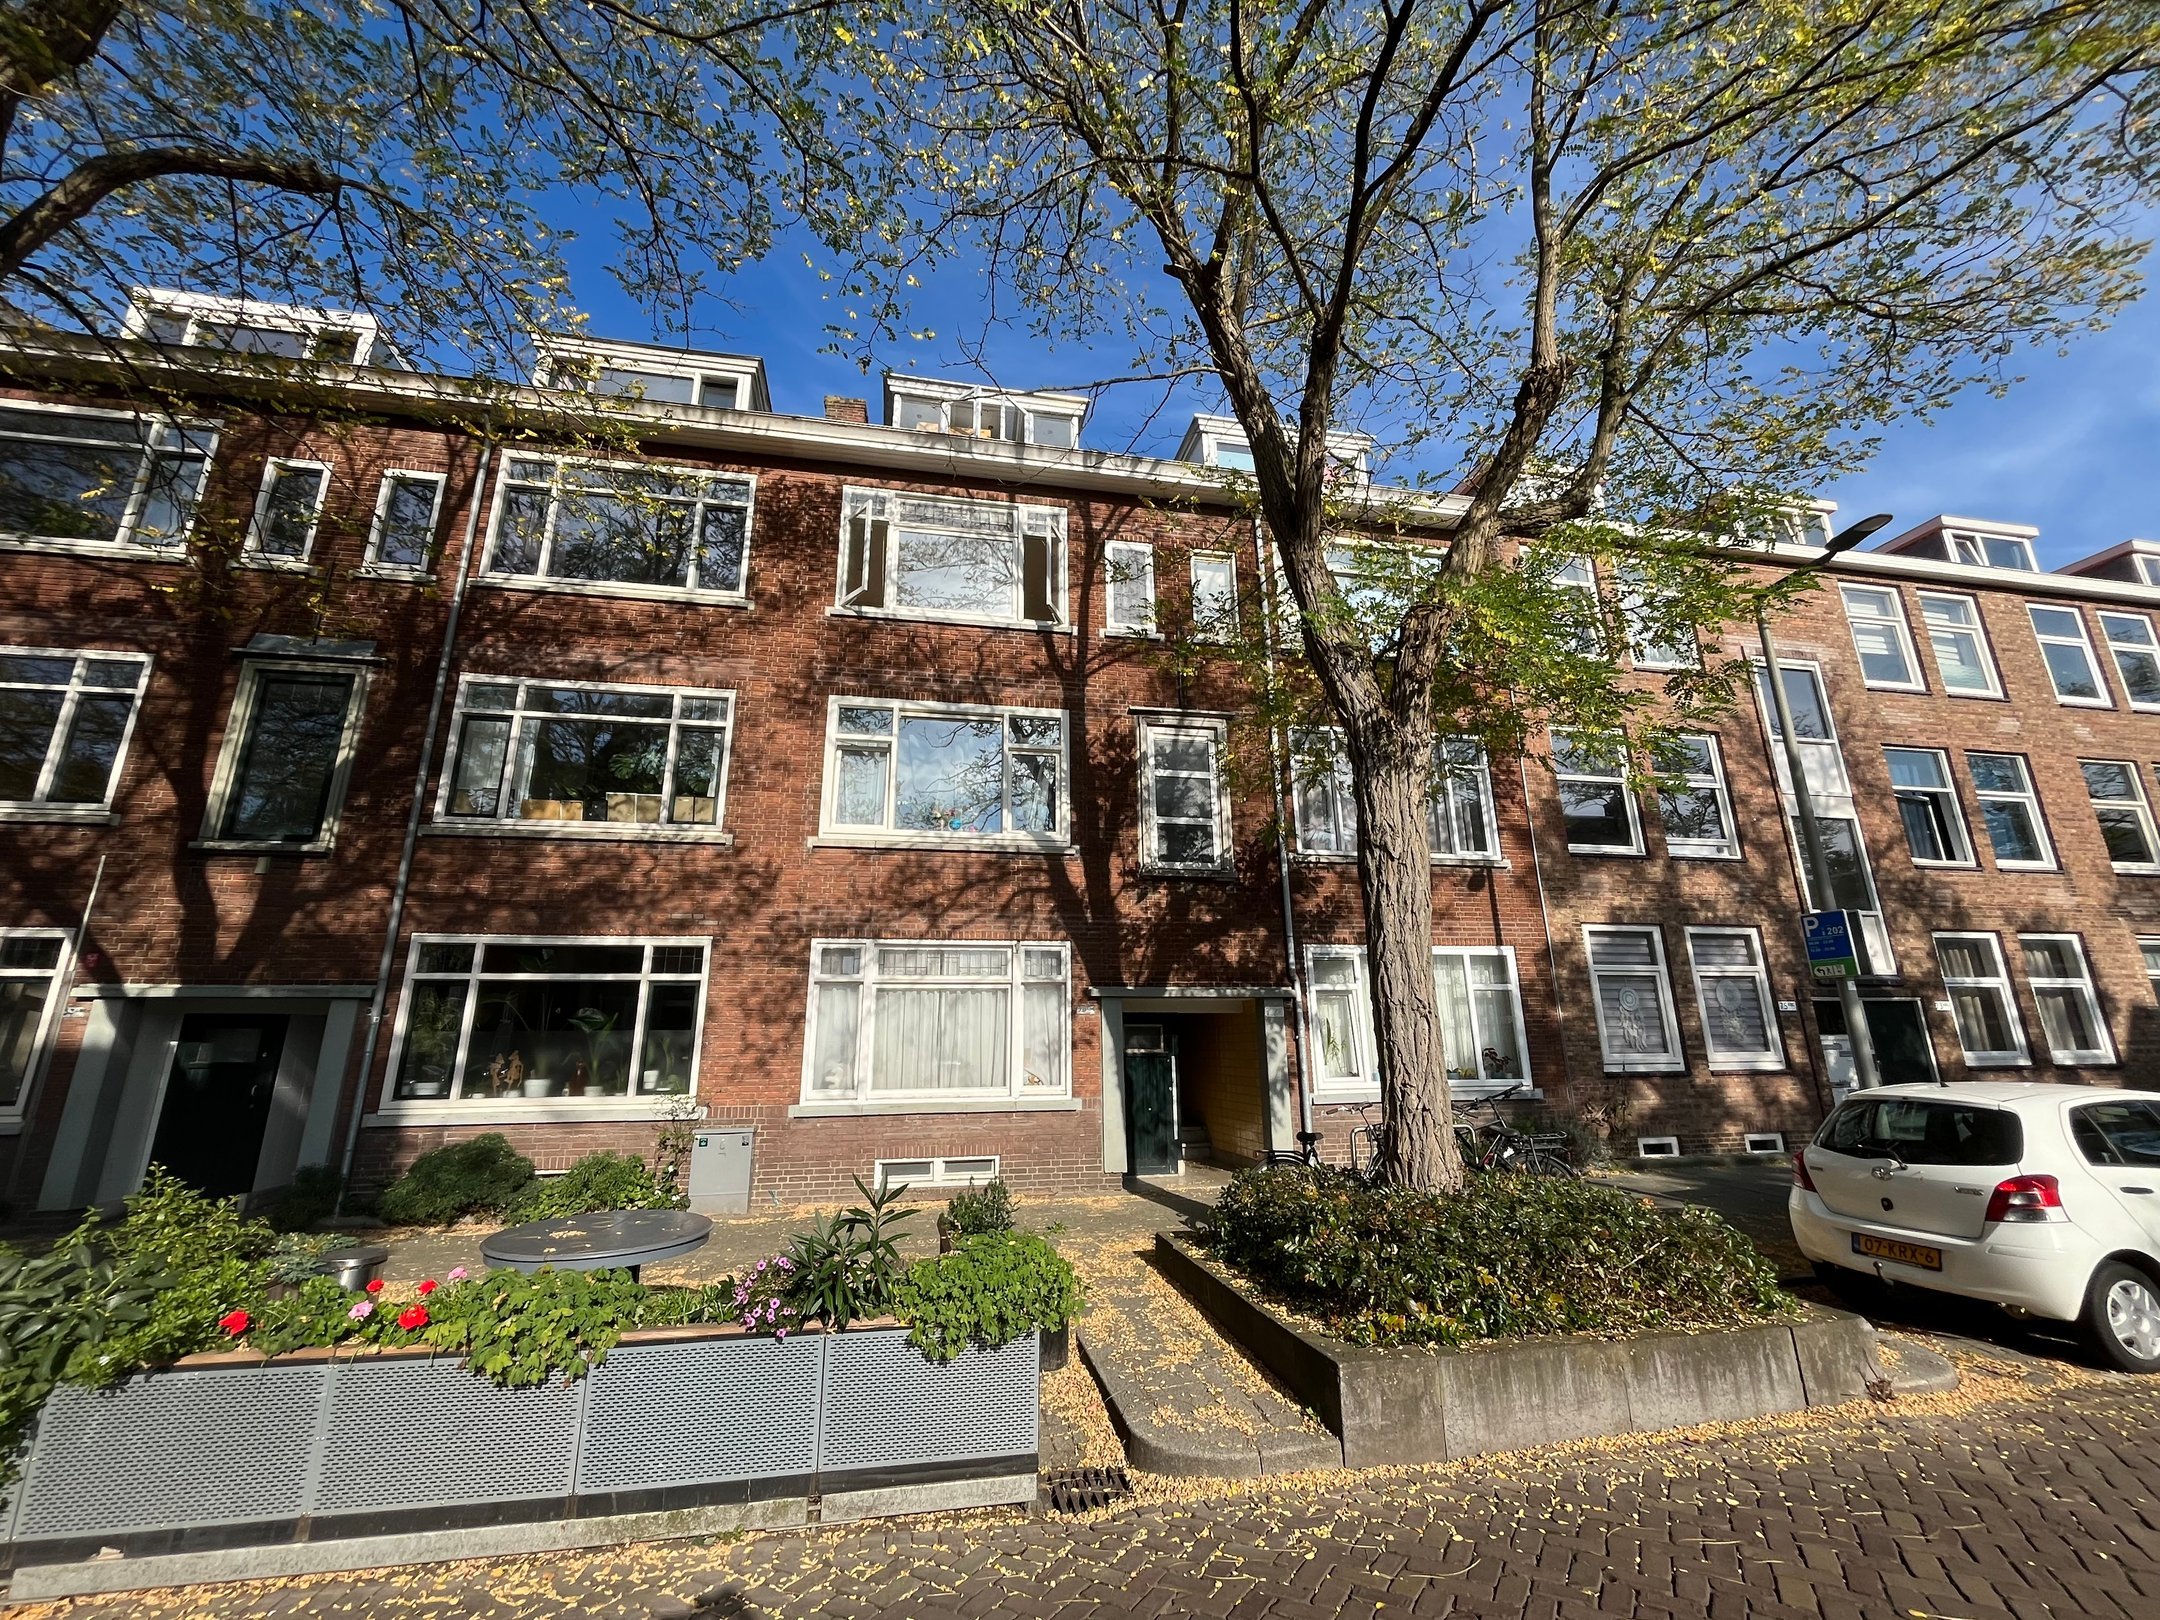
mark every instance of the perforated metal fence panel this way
{"type": "Point", "coordinates": [406, 1434]}
{"type": "Point", "coordinates": [702, 1412]}
{"type": "Point", "coordinates": [887, 1407]}
{"type": "Point", "coordinates": [198, 1448]}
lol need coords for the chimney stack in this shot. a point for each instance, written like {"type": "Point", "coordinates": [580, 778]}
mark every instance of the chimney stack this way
{"type": "Point", "coordinates": [839, 408]}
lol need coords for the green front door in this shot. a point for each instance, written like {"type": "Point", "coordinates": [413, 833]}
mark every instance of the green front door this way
{"type": "Point", "coordinates": [1151, 1112]}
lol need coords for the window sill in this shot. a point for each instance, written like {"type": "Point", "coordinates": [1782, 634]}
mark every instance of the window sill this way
{"type": "Point", "coordinates": [626, 591]}
{"type": "Point", "coordinates": [1948, 866]}
{"type": "Point", "coordinates": [2082, 703]}
{"type": "Point", "coordinates": [129, 549]}
{"type": "Point", "coordinates": [11, 1127]}
{"type": "Point", "coordinates": [1119, 632]}
{"type": "Point", "coordinates": [916, 1105]}
{"type": "Point", "coordinates": [979, 621]}
{"type": "Point", "coordinates": [84, 816]}
{"type": "Point", "coordinates": [979, 846]}
{"type": "Point", "coordinates": [2084, 1060]}
{"type": "Point", "coordinates": [1609, 852]}
{"type": "Point", "coordinates": [1762, 1065]}
{"type": "Point", "coordinates": [2043, 867]}
{"type": "Point", "coordinates": [1204, 874]}
{"type": "Point", "coordinates": [1662, 1066]}
{"type": "Point", "coordinates": [528, 1110]}
{"type": "Point", "coordinates": [1702, 854]}
{"type": "Point", "coordinates": [2135, 869]}
{"type": "Point", "coordinates": [1900, 688]}
{"type": "Point", "coordinates": [391, 571]}
{"type": "Point", "coordinates": [243, 846]}
{"type": "Point", "coordinates": [592, 832]}
{"type": "Point", "coordinates": [2008, 1060]}
{"type": "Point", "coordinates": [1470, 1090]}
{"type": "Point", "coordinates": [275, 565]}
{"type": "Point", "coordinates": [1327, 857]}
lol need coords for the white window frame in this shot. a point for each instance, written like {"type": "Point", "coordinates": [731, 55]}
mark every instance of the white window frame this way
{"type": "Point", "coordinates": [539, 1110]}
{"type": "Point", "coordinates": [2029, 796]}
{"type": "Point", "coordinates": [462, 710]}
{"type": "Point", "coordinates": [1575, 571]}
{"type": "Point", "coordinates": [1974, 627]}
{"type": "Point", "coordinates": [48, 1025]}
{"type": "Point", "coordinates": [35, 808]}
{"type": "Point", "coordinates": [1028, 410]}
{"type": "Point", "coordinates": [146, 304]}
{"type": "Point", "coordinates": [2149, 952]}
{"type": "Point", "coordinates": [2137, 804]}
{"type": "Point", "coordinates": [1971, 547]}
{"type": "Point", "coordinates": [1960, 836]}
{"type": "Point", "coordinates": [162, 436]}
{"type": "Point", "coordinates": [1616, 777]}
{"type": "Point", "coordinates": [865, 1097]}
{"type": "Point", "coordinates": [1315, 746]}
{"type": "Point", "coordinates": [1148, 728]}
{"type": "Point", "coordinates": [1632, 590]}
{"type": "Point", "coordinates": [1337, 1088]}
{"type": "Point", "coordinates": [239, 730]}
{"type": "Point", "coordinates": [2081, 987]}
{"type": "Point", "coordinates": [2148, 568]}
{"type": "Point", "coordinates": [1482, 1086]}
{"type": "Point", "coordinates": [541, 580]}
{"type": "Point", "coordinates": [2017, 1057]}
{"type": "Point", "coordinates": [1129, 562]}
{"type": "Point", "coordinates": [1817, 754]}
{"type": "Point", "coordinates": [1675, 1064]}
{"type": "Point", "coordinates": [1712, 782]}
{"type": "Point", "coordinates": [274, 469]}
{"type": "Point", "coordinates": [2082, 641]}
{"type": "Point", "coordinates": [1757, 975]}
{"type": "Point", "coordinates": [941, 1171]}
{"type": "Point", "coordinates": [1216, 620]}
{"type": "Point", "coordinates": [393, 476]}
{"type": "Point", "coordinates": [1028, 521]}
{"type": "Point", "coordinates": [1894, 622]}
{"type": "Point", "coordinates": [2127, 650]}
{"type": "Point", "coordinates": [833, 831]}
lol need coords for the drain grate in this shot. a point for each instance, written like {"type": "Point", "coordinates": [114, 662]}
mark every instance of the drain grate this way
{"type": "Point", "coordinates": [1078, 1490]}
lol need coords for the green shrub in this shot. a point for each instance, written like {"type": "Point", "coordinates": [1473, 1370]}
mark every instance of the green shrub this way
{"type": "Point", "coordinates": [312, 1197]}
{"type": "Point", "coordinates": [597, 1181]}
{"type": "Point", "coordinates": [847, 1266]}
{"type": "Point", "coordinates": [1506, 1257]}
{"type": "Point", "coordinates": [482, 1175]}
{"type": "Point", "coordinates": [988, 1208]}
{"type": "Point", "coordinates": [990, 1290]}
{"type": "Point", "coordinates": [526, 1328]}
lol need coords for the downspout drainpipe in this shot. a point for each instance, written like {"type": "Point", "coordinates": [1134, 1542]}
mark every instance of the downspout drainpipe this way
{"type": "Point", "coordinates": [1276, 764]}
{"type": "Point", "coordinates": [387, 961]}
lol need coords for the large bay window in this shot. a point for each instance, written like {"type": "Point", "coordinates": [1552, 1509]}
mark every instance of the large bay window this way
{"type": "Point", "coordinates": [936, 773]}
{"type": "Point", "coordinates": [100, 478]}
{"type": "Point", "coordinates": [621, 524]}
{"type": "Point", "coordinates": [937, 1022]}
{"type": "Point", "coordinates": [1481, 1020]}
{"type": "Point", "coordinates": [65, 719]}
{"type": "Point", "coordinates": [935, 557]}
{"type": "Point", "coordinates": [548, 753]}
{"type": "Point", "coordinates": [518, 1021]}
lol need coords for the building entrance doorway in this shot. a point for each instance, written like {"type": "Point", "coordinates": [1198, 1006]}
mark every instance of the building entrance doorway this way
{"type": "Point", "coordinates": [1151, 1111]}
{"type": "Point", "coordinates": [1903, 1052]}
{"type": "Point", "coordinates": [217, 1099]}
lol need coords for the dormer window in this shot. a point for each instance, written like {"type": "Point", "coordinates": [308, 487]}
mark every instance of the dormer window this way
{"type": "Point", "coordinates": [653, 375]}
{"type": "Point", "coordinates": [1990, 550]}
{"type": "Point", "coordinates": [918, 405]}
{"type": "Point", "coordinates": [249, 326]}
{"type": "Point", "coordinates": [1221, 441]}
{"type": "Point", "coordinates": [2148, 567]}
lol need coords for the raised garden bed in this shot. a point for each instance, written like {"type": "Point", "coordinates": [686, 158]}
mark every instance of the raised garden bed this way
{"type": "Point", "coordinates": [1418, 1405]}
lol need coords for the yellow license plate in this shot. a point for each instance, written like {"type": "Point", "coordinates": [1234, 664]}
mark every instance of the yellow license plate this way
{"type": "Point", "coordinates": [1923, 1255]}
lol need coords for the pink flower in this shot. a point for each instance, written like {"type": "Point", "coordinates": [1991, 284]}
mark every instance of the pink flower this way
{"type": "Point", "coordinates": [459, 1274]}
{"type": "Point", "coordinates": [412, 1316]}
{"type": "Point", "coordinates": [362, 1311]}
{"type": "Point", "coordinates": [234, 1323]}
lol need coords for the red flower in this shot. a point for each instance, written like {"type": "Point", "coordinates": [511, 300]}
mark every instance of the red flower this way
{"type": "Point", "coordinates": [374, 1285]}
{"type": "Point", "coordinates": [412, 1316]}
{"type": "Point", "coordinates": [234, 1322]}
{"type": "Point", "coordinates": [427, 1288]}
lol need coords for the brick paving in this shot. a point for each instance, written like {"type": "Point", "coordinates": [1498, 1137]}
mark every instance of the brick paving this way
{"type": "Point", "coordinates": [2031, 1504]}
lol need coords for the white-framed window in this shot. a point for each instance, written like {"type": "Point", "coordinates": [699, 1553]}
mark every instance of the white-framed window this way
{"type": "Point", "coordinates": [1814, 728]}
{"type": "Point", "coordinates": [940, 557]}
{"type": "Point", "coordinates": [66, 717]}
{"type": "Point", "coordinates": [1928, 807]}
{"type": "Point", "coordinates": [1340, 1025]}
{"type": "Point", "coordinates": [2125, 816]}
{"type": "Point", "coordinates": [255, 326]}
{"type": "Point", "coordinates": [71, 476]}
{"type": "Point", "coordinates": [1732, 991]}
{"type": "Point", "coordinates": [1882, 638]}
{"type": "Point", "coordinates": [2067, 652]}
{"type": "Point", "coordinates": [1631, 994]}
{"type": "Point", "coordinates": [571, 755]}
{"type": "Point", "coordinates": [1590, 772]}
{"type": "Point", "coordinates": [1214, 596]}
{"type": "Point", "coordinates": [1049, 420]}
{"type": "Point", "coordinates": [954, 1172]}
{"type": "Point", "coordinates": [1574, 583]}
{"type": "Point", "coordinates": [288, 509]}
{"type": "Point", "coordinates": [1697, 813]}
{"type": "Point", "coordinates": [33, 962]}
{"type": "Point", "coordinates": [1990, 550]}
{"type": "Point", "coordinates": [1988, 1028]}
{"type": "Point", "coordinates": [1962, 655]}
{"type": "Point", "coordinates": [1379, 581]}
{"type": "Point", "coordinates": [1184, 810]}
{"type": "Point", "coordinates": [1129, 588]}
{"type": "Point", "coordinates": [2148, 568]}
{"type": "Point", "coordinates": [2062, 988]}
{"type": "Point", "coordinates": [621, 525]}
{"type": "Point", "coordinates": [2010, 811]}
{"type": "Point", "coordinates": [287, 753]}
{"type": "Point", "coordinates": [937, 1021]}
{"type": "Point", "coordinates": [1852, 884]}
{"type": "Point", "coordinates": [650, 374]}
{"type": "Point", "coordinates": [1459, 818]}
{"type": "Point", "coordinates": [1479, 999]}
{"type": "Point", "coordinates": [1652, 644]}
{"type": "Point", "coordinates": [406, 508]}
{"type": "Point", "coordinates": [2149, 949]}
{"type": "Point", "coordinates": [2130, 640]}
{"type": "Point", "coordinates": [511, 1021]}
{"type": "Point", "coordinates": [941, 773]}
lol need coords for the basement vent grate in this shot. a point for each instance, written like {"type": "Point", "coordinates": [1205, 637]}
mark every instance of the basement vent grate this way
{"type": "Point", "coordinates": [1766, 1141]}
{"type": "Point", "coordinates": [1657, 1147]}
{"type": "Point", "coordinates": [1081, 1490]}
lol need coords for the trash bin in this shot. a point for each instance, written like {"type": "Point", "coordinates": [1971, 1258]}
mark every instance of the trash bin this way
{"type": "Point", "coordinates": [720, 1171]}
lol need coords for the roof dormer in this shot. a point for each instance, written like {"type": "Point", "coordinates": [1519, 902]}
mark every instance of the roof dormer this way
{"type": "Point", "coordinates": [1221, 441]}
{"type": "Point", "coordinates": [926, 405]}
{"type": "Point", "coordinates": [652, 373]}
{"type": "Point", "coordinates": [174, 319]}
{"type": "Point", "coordinates": [1975, 542]}
{"type": "Point", "coordinates": [2137, 561]}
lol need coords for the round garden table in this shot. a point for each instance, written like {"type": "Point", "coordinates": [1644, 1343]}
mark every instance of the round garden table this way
{"type": "Point", "coordinates": [609, 1239]}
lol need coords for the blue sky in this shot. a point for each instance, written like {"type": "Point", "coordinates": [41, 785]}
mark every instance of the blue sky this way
{"type": "Point", "coordinates": [2074, 449]}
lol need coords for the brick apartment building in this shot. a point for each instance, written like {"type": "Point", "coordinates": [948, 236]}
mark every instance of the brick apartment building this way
{"type": "Point", "coordinates": [381, 774]}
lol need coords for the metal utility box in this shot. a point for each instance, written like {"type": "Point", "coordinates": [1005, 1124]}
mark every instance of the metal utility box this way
{"type": "Point", "coordinates": [720, 1171]}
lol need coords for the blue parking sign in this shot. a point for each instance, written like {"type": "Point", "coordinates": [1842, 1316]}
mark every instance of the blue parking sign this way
{"type": "Point", "coordinates": [1830, 950]}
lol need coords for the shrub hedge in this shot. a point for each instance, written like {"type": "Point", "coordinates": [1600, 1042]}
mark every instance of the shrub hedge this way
{"type": "Point", "coordinates": [1507, 1257]}
{"type": "Point", "coordinates": [485, 1175]}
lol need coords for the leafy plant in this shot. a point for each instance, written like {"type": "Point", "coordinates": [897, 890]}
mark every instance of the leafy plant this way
{"type": "Point", "coordinates": [988, 1208]}
{"type": "Point", "coordinates": [847, 1266]}
{"type": "Point", "coordinates": [671, 1148]}
{"type": "Point", "coordinates": [52, 1308]}
{"type": "Point", "coordinates": [525, 1329]}
{"type": "Point", "coordinates": [600, 1180]}
{"type": "Point", "coordinates": [481, 1175]}
{"type": "Point", "coordinates": [991, 1289]}
{"type": "Point", "coordinates": [312, 1197]}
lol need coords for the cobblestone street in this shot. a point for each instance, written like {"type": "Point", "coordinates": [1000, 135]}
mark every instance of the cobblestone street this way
{"type": "Point", "coordinates": [2003, 1500]}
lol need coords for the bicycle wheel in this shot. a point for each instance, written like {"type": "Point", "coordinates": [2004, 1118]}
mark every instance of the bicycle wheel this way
{"type": "Point", "coordinates": [1537, 1162]}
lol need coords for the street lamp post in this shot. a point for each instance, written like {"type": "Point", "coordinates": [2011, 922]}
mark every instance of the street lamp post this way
{"type": "Point", "coordinates": [1865, 1072]}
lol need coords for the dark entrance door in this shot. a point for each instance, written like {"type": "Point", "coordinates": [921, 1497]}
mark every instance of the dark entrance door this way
{"type": "Point", "coordinates": [1902, 1051]}
{"type": "Point", "coordinates": [1151, 1112]}
{"type": "Point", "coordinates": [217, 1100]}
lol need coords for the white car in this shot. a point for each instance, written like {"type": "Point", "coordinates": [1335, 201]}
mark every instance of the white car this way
{"type": "Point", "coordinates": [2043, 1198]}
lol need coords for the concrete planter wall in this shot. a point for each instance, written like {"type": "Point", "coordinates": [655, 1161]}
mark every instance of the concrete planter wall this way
{"type": "Point", "coordinates": [229, 1452]}
{"type": "Point", "coordinates": [1420, 1406]}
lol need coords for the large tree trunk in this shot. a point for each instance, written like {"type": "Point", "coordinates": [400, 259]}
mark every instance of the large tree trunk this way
{"type": "Point", "coordinates": [1391, 765]}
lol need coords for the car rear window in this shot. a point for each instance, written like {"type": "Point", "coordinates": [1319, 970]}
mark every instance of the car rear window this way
{"type": "Point", "coordinates": [1923, 1132]}
{"type": "Point", "coordinates": [2118, 1133]}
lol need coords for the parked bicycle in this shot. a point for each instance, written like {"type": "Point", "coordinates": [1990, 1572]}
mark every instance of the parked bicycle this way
{"type": "Point", "coordinates": [1489, 1142]}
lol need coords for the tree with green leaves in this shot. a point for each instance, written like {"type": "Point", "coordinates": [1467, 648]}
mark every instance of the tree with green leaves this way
{"type": "Point", "coordinates": [1631, 274]}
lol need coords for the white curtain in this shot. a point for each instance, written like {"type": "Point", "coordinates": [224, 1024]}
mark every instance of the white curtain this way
{"type": "Point", "coordinates": [942, 1040]}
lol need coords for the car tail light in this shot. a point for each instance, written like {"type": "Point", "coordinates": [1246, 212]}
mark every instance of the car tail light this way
{"type": "Point", "coordinates": [2027, 1198]}
{"type": "Point", "coordinates": [1800, 1177]}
